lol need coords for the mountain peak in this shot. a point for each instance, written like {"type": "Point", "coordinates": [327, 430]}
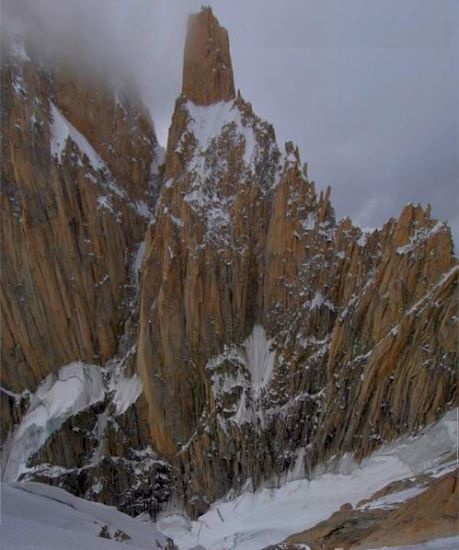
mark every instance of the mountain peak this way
{"type": "Point", "coordinates": [207, 69]}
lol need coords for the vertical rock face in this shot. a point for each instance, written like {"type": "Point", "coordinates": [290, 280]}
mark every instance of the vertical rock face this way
{"type": "Point", "coordinates": [76, 197]}
{"type": "Point", "coordinates": [201, 284]}
{"type": "Point", "coordinates": [267, 337]}
{"type": "Point", "coordinates": [79, 182]}
{"type": "Point", "coordinates": [272, 337]}
{"type": "Point", "coordinates": [207, 70]}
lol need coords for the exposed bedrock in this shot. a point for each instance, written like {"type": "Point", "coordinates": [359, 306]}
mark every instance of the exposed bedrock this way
{"type": "Point", "coordinates": [242, 335]}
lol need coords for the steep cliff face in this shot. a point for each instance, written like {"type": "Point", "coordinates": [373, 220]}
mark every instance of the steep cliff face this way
{"type": "Point", "coordinates": [207, 71]}
{"type": "Point", "coordinates": [272, 337]}
{"type": "Point", "coordinates": [265, 337]}
{"type": "Point", "coordinates": [80, 179]}
{"type": "Point", "coordinates": [76, 198]}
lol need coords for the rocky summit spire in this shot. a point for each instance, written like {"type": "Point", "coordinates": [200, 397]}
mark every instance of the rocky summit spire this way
{"type": "Point", "coordinates": [207, 70]}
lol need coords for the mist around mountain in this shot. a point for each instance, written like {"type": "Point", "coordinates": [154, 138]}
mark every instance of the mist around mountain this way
{"type": "Point", "coordinates": [193, 345]}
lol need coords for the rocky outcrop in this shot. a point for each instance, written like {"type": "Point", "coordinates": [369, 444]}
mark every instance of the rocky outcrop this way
{"type": "Point", "coordinates": [268, 337]}
{"type": "Point", "coordinates": [407, 512]}
{"type": "Point", "coordinates": [80, 176]}
{"type": "Point", "coordinates": [280, 336]}
{"type": "Point", "coordinates": [12, 408]}
{"type": "Point", "coordinates": [105, 456]}
{"type": "Point", "coordinates": [203, 258]}
{"type": "Point", "coordinates": [207, 71]}
{"type": "Point", "coordinates": [76, 197]}
{"type": "Point", "coordinates": [430, 515]}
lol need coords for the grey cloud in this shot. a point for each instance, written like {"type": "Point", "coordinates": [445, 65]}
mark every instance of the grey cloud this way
{"type": "Point", "coordinates": [368, 90]}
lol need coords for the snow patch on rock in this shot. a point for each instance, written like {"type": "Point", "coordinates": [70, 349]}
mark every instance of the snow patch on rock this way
{"type": "Point", "coordinates": [255, 355]}
{"type": "Point", "coordinates": [259, 358]}
{"type": "Point", "coordinates": [18, 51]}
{"type": "Point", "coordinates": [419, 237]}
{"type": "Point", "coordinates": [127, 392]}
{"type": "Point", "coordinates": [389, 501]}
{"type": "Point", "coordinates": [213, 131]}
{"type": "Point", "coordinates": [138, 259]}
{"type": "Point", "coordinates": [76, 387]}
{"type": "Point", "coordinates": [319, 300]}
{"type": "Point", "coordinates": [62, 130]}
{"type": "Point", "coordinates": [241, 375]}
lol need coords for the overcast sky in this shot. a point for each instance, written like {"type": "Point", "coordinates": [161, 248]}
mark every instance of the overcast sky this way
{"type": "Point", "coordinates": [368, 90]}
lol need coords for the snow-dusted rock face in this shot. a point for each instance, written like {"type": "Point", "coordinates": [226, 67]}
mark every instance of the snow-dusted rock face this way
{"type": "Point", "coordinates": [79, 182]}
{"type": "Point", "coordinates": [76, 387]}
{"type": "Point", "coordinates": [77, 191]}
{"type": "Point", "coordinates": [211, 221]}
{"type": "Point", "coordinates": [244, 336]}
{"type": "Point", "coordinates": [361, 325]}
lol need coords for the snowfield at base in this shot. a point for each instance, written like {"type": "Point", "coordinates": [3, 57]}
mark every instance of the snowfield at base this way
{"type": "Point", "coordinates": [39, 517]}
{"type": "Point", "coordinates": [268, 516]}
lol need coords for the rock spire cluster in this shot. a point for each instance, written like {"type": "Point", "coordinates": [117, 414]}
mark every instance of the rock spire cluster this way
{"type": "Point", "coordinates": [239, 331]}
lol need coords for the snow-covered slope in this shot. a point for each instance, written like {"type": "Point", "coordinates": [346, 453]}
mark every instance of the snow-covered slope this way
{"type": "Point", "coordinates": [239, 335]}
{"type": "Point", "coordinates": [39, 517]}
{"type": "Point", "coordinates": [268, 516]}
